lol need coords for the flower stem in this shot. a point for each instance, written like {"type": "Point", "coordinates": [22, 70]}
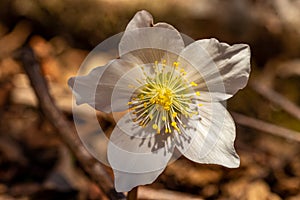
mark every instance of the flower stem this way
{"type": "Point", "coordinates": [132, 194]}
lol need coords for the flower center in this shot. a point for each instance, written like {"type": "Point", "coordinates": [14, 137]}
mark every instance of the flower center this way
{"type": "Point", "coordinates": [163, 99]}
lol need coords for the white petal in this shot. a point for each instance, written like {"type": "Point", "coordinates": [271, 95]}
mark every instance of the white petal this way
{"type": "Point", "coordinates": [96, 88]}
{"type": "Point", "coordinates": [133, 129]}
{"type": "Point", "coordinates": [84, 87]}
{"type": "Point", "coordinates": [140, 20]}
{"type": "Point", "coordinates": [211, 139]}
{"type": "Point", "coordinates": [126, 181]}
{"type": "Point", "coordinates": [122, 94]}
{"type": "Point", "coordinates": [136, 154]}
{"type": "Point", "coordinates": [224, 69]}
{"type": "Point", "coordinates": [149, 44]}
{"type": "Point", "coordinates": [118, 83]}
{"type": "Point", "coordinates": [148, 41]}
{"type": "Point", "coordinates": [143, 19]}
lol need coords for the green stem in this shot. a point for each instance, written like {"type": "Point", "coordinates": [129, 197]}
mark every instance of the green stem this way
{"type": "Point", "coordinates": [132, 194]}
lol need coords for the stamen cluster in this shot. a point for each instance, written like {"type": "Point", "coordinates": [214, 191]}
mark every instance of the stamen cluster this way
{"type": "Point", "coordinates": [165, 97]}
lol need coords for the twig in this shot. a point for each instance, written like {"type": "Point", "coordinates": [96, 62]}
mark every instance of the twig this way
{"type": "Point", "coordinates": [132, 194]}
{"type": "Point", "coordinates": [65, 131]}
{"type": "Point", "coordinates": [153, 194]}
{"type": "Point", "coordinates": [277, 98]}
{"type": "Point", "coordinates": [266, 127]}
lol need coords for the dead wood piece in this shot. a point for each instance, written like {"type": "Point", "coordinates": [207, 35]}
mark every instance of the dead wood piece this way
{"type": "Point", "coordinates": [277, 98]}
{"type": "Point", "coordinates": [266, 127]}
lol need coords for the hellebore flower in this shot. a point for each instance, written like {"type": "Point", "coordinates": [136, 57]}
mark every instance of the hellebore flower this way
{"type": "Point", "coordinates": [174, 94]}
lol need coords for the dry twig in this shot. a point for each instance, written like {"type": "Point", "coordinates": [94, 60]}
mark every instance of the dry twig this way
{"type": "Point", "coordinates": [276, 98]}
{"type": "Point", "coordinates": [132, 194]}
{"type": "Point", "coordinates": [266, 127]}
{"type": "Point", "coordinates": [65, 131]}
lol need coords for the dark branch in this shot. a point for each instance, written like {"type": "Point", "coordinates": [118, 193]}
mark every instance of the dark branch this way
{"type": "Point", "coordinates": [65, 131]}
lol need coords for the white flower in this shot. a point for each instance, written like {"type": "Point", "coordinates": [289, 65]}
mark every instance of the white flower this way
{"type": "Point", "coordinates": [172, 93]}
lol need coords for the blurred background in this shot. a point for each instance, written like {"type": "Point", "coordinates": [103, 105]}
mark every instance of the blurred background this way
{"type": "Point", "coordinates": [34, 164]}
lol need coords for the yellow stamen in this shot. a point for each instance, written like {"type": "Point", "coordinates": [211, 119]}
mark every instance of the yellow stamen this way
{"type": "Point", "coordinates": [175, 64]}
{"type": "Point", "coordinates": [174, 114]}
{"type": "Point", "coordinates": [163, 98]}
{"type": "Point", "coordinates": [193, 84]}
{"type": "Point", "coordinates": [174, 124]}
{"type": "Point", "coordinates": [154, 126]}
